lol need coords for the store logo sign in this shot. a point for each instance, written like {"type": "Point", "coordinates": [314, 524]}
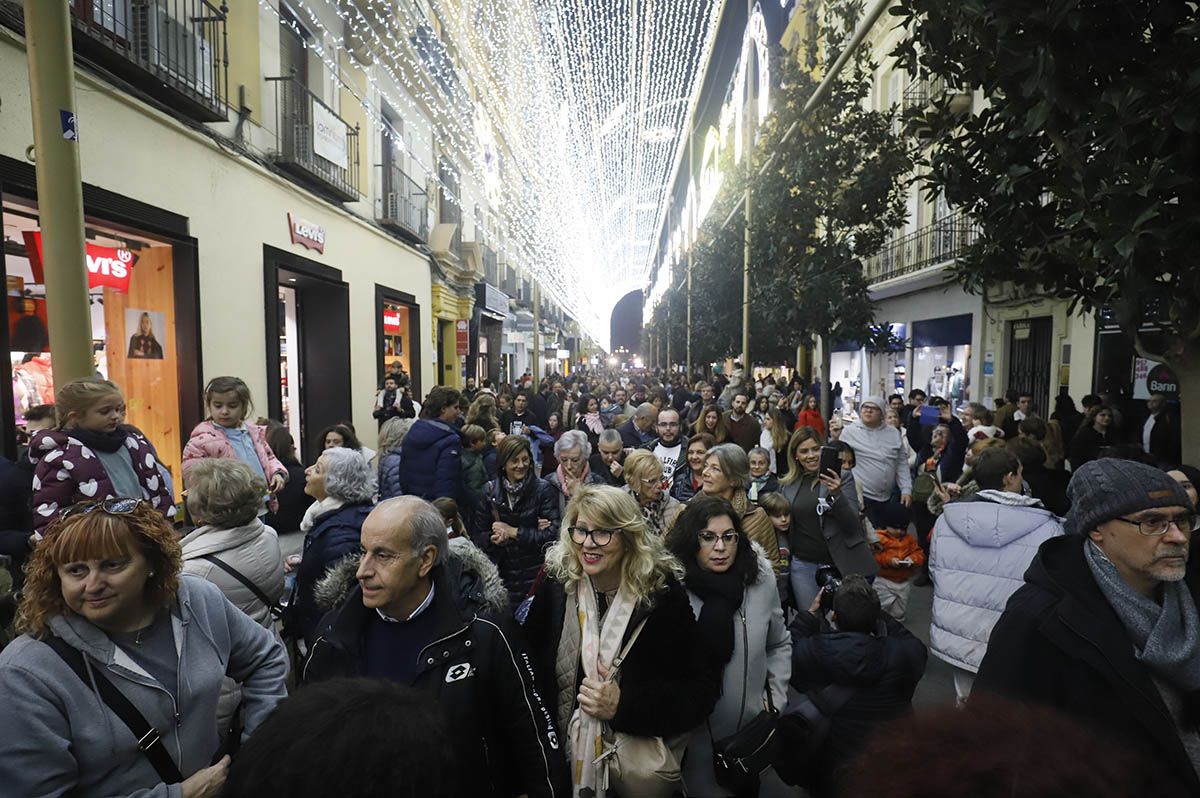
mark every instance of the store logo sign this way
{"type": "Point", "coordinates": [391, 322]}
{"type": "Point", "coordinates": [107, 267]}
{"type": "Point", "coordinates": [306, 234]}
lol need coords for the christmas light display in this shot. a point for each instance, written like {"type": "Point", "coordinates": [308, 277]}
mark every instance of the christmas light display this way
{"type": "Point", "coordinates": [566, 116]}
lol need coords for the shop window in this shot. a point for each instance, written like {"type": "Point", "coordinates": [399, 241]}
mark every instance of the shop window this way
{"type": "Point", "coordinates": [131, 278]}
{"type": "Point", "coordinates": [397, 336]}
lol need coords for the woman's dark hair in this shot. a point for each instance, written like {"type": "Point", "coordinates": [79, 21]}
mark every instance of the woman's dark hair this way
{"type": "Point", "coordinates": [379, 737]}
{"type": "Point", "coordinates": [279, 438]}
{"type": "Point", "coordinates": [438, 400]}
{"type": "Point", "coordinates": [1064, 407]}
{"type": "Point", "coordinates": [349, 439]}
{"type": "Point", "coordinates": [684, 538]}
{"type": "Point", "coordinates": [584, 398]}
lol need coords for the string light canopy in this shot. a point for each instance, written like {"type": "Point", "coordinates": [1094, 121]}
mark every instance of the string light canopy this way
{"type": "Point", "coordinates": [568, 115]}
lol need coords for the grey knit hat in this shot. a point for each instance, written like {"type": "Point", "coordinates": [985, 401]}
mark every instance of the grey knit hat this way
{"type": "Point", "coordinates": [874, 400]}
{"type": "Point", "coordinates": [1108, 488]}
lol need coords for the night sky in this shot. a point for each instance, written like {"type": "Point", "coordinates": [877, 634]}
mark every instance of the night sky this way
{"type": "Point", "coordinates": [627, 322]}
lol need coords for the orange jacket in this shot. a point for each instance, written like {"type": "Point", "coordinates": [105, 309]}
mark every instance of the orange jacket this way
{"type": "Point", "coordinates": [899, 549]}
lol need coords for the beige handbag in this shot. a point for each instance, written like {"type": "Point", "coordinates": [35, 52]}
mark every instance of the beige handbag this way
{"type": "Point", "coordinates": [642, 767]}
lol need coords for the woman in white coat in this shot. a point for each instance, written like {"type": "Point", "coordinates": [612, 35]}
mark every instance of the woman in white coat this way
{"type": "Point", "coordinates": [731, 586]}
{"type": "Point", "coordinates": [225, 497]}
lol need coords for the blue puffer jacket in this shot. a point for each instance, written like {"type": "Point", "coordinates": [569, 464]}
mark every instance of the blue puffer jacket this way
{"type": "Point", "coordinates": [334, 535]}
{"type": "Point", "coordinates": [429, 461]}
{"type": "Point", "coordinates": [389, 475]}
{"type": "Point", "coordinates": [518, 560]}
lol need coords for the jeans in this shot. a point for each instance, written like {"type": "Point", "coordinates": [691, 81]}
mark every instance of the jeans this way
{"type": "Point", "coordinates": [803, 576]}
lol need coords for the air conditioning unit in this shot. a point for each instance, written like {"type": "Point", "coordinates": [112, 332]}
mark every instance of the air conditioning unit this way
{"type": "Point", "coordinates": [168, 45]}
{"type": "Point", "coordinates": [399, 207]}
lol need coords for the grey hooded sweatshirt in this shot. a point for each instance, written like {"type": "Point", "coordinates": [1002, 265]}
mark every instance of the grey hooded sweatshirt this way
{"type": "Point", "coordinates": [58, 737]}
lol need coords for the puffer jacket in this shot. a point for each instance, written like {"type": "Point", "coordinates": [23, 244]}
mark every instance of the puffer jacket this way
{"type": "Point", "coordinates": [389, 475]}
{"type": "Point", "coordinates": [67, 472]}
{"type": "Point", "coordinates": [518, 560]}
{"type": "Point", "coordinates": [334, 535]}
{"type": "Point", "coordinates": [58, 738]}
{"type": "Point", "coordinates": [253, 551]}
{"type": "Point", "coordinates": [762, 657]}
{"type": "Point", "coordinates": [978, 557]}
{"type": "Point", "coordinates": [208, 441]}
{"type": "Point", "coordinates": [429, 461]}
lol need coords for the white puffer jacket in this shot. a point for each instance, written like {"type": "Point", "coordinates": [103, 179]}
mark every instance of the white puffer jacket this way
{"type": "Point", "coordinates": [977, 559]}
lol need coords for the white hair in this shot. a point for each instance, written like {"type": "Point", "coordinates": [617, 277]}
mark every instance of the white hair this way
{"type": "Point", "coordinates": [348, 475]}
{"type": "Point", "coordinates": [571, 440]}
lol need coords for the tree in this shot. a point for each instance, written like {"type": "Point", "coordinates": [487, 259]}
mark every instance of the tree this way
{"type": "Point", "coordinates": [1082, 170]}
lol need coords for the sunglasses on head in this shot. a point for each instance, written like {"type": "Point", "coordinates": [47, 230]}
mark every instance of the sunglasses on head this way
{"type": "Point", "coordinates": [117, 506]}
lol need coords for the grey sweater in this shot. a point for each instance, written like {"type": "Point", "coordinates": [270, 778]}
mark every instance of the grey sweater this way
{"type": "Point", "coordinates": [57, 736]}
{"type": "Point", "coordinates": [880, 462]}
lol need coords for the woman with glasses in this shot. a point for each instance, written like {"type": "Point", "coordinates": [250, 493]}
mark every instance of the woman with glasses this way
{"type": "Point", "coordinates": [106, 611]}
{"type": "Point", "coordinates": [644, 481]}
{"type": "Point", "coordinates": [826, 527]}
{"type": "Point", "coordinates": [731, 586]}
{"type": "Point", "coordinates": [613, 590]}
{"type": "Point", "coordinates": [571, 452]}
{"type": "Point", "coordinates": [727, 476]}
{"type": "Point", "coordinates": [517, 518]}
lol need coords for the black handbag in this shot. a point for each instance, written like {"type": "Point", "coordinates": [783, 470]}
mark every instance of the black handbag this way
{"type": "Point", "coordinates": [740, 758]}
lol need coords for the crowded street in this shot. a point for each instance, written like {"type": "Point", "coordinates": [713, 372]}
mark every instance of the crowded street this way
{"type": "Point", "coordinates": [599, 399]}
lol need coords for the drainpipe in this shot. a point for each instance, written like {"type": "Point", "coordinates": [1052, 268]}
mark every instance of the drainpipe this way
{"type": "Point", "coordinates": [59, 187]}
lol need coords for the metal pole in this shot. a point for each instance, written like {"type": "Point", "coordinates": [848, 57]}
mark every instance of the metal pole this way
{"type": "Point", "coordinates": [59, 186]}
{"type": "Point", "coordinates": [691, 247]}
{"type": "Point", "coordinates": [537, 338]}
{"type": "Point", "coordinates": [746, 233]}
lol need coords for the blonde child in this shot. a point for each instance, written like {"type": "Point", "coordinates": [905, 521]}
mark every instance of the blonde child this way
{"type": "Point", "coordinates": [225, 434]}
{"type": "Point", "coordinates": [90, 455]}
{"type": "Point", "coordinates": [780, 512]}
{"type": "Point", "coordinates": [899, 557]}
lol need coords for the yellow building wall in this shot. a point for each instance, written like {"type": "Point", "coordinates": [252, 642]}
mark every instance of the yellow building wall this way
{"type": "Point", "coordinates": [245, 67]}
{"type": "Point", "coordinates": [356, 116]}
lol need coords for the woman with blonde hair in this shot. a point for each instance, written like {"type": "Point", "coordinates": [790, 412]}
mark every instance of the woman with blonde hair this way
{"type": "Point", "coordinates": [482, 412]}
{"type": "Point", "coordinates": [644, 481]}
{"type": "Point", "coordinates": [106, 612]}
{"type": "Point", "coordinates": [612, 592]}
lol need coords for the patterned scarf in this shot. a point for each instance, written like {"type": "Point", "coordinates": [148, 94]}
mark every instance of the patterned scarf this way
{"type": "Point", "coordinates": [594, 422]}
{"type": "Point", "coordinates": [600, 644]}
{"type": "Point", "coordinates": [653, 513]}
{"type": "Point", "coordinates": [566, 484]}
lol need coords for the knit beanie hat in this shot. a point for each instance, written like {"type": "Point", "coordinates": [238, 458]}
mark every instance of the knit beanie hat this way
{"type": "Point", "coordinates": [874, 400]}
{"type": "Point", "coordinates": [1108, 488]}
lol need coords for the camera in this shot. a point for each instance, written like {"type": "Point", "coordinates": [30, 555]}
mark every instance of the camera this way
{"type": "Point", "coordinates": [829, 579]}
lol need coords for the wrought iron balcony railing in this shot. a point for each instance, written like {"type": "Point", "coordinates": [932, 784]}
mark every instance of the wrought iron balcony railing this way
{"type": "Point", "coordinates": [925, 89]}
{"type": "Point", "coordinates": [312, 142]}
{"type": "Point", "coordinates": [403, 203]}
{"type": "Point", "coordinates": [175, 50]}
{"type": "Point", "coordinates": [944, 240]}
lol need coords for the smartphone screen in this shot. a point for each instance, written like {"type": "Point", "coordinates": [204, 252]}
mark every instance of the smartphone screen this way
{"type": "Point", "coordinates": [831, 460]}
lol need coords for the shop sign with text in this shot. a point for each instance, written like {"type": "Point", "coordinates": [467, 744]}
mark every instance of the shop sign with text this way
{"type": "Point", "coordinates": [107, 267]}
{"type": "Point", "coordinates": [391, 322]}
{"type": "Point", "coordinates": [306, 234]}
{"type": "Point", "coordinates": [462, 341]}
{"type": "Point", "coordinates": [329, 135]}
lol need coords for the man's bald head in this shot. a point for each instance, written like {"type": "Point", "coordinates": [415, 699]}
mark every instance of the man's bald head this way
{"type": "Point", "coordinates": [413, 521]}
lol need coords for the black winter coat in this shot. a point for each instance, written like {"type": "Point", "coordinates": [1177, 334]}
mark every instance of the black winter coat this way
{"type": "Point", "coordinates": [334, 535]}
{"type": "Point", "coordinates": [293, 501]}
{"type": "Point", "coordinates": [667, 687]}
{"type": "Point", "coordinates": [518, 560]}
{"type": "Point", "coordinates": [477, 670]}
{"type": "Point", "coordinates": [883, 669]}
{"type": "Point", "coordinates": [1060, 643]}
{"type": "Point", "coordinates": [16, 518]}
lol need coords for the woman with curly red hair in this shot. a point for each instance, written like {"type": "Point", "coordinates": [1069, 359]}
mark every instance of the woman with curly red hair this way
{"type": "Point", "coordinates": [105, 610]}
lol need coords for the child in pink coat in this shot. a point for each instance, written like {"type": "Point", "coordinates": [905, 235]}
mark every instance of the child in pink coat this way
{"type": "Point", "coordinates": [225, 433]}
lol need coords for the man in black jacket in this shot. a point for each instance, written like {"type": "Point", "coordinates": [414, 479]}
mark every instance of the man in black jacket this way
{"type": "Point", "coordinates": [406, 621]}
{"type": "Point", "coordinates": [861, 665]}
{"type": "Point", "coordinates": [1106, 627]}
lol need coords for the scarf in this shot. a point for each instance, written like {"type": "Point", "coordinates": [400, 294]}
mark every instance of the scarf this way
{"type": "Point", "coordinates": [756, 486]}
{"type": "Point", "coordinates": [566, 484]}
{"type": "Point", "coordinates": [512, 493]}
{"type": "Point", "coordinates": [722, 596]}
{"type": "Point", "coordinates": [107, 442]}
{"type": "Point", "coordinates": [653, 513]}
{"type": "Point", "coordinates": [316, 510]}
{"type": "Point", "coordinates": [1006, 497]}
{"type": "Point", "coordinates": [594, 422]}
{"type": "Point", "coordinates": [600, 643]}
{"type": "Point", "coordinates": [1166, 637]}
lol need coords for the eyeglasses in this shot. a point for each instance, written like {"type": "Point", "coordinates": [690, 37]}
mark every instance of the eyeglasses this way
{"type": "Point", "coordinates": [117, 506]}
{"type": "Point", "coordinates": [1157, 525]}
{"type": "Point", "coordinates": [651, 482]}
{"type": "Point", "coordinates": [710, 538]}
{"type": "Point", "coordinates": [600, 537]}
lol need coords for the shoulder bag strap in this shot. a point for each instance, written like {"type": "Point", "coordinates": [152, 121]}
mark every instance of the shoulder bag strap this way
{"type": "Point", "coordinates": [620, 658]}
{"type": "Point", "coordinates": [272, 606]}
{"type": "Point", "coordinates": [149, 740]}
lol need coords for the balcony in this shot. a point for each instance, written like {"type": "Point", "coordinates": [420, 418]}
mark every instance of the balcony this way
{"type": "Point", "coordinates": [944, 240]}
{"type": "Point", "coordinates": [313, 143]}
{"type": "Point", "coordinates": [174, 50]}
{"type": "Point", "coordinates": [403, 203]}
{"type": "Point", "coordinates": [926, 90]}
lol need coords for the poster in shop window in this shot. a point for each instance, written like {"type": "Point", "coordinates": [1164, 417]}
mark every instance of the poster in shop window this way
{"type": "Point", "coordinates": [147, 331]}
{"type": "Point", "coordinates": [329, 135]}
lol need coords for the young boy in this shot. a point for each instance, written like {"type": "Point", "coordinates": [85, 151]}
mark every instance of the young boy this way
{"type": "Point", "coordinates": [899, 557]}
{"type": "Point", "coordinates": [474, 474]}
{"type": "Point", "coordinates": [779, 510]}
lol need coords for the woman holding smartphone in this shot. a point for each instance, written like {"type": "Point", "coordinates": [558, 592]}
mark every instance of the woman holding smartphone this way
{"type": "Point", "coordinates": [825, 522]}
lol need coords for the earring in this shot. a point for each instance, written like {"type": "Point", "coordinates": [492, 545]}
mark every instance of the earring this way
{"type": "Point", "coordinates": [151, 575]}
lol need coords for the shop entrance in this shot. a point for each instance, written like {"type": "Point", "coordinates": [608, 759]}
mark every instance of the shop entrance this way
{"type": "Point", "coordinates": [308, 347]}
{"type": "Point", "coordinates": [942, 357]}
{"type": "Point", "coordinates": [1029, 360]}
{"type": "Point", "coordinates": [398, 334]}
{"type": "Point", "coordinates": [144, 314]}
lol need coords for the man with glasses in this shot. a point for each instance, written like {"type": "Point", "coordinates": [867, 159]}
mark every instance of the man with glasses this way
{"type": "Point", "coordinates": [670, 445]}
{"type": "Point", "coordinates": [1106, 626]}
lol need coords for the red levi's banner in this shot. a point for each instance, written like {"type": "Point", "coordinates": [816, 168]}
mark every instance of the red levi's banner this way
{"type": "Point", "coordinates": [391, 322]}
{"type": "Point", "coordinates": [106, 267]}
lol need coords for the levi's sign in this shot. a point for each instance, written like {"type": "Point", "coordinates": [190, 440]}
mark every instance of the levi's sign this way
{"type": "Point", "coordinates": [306, 233]}
{"type": "Point", "coordinates": [107, 267]}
